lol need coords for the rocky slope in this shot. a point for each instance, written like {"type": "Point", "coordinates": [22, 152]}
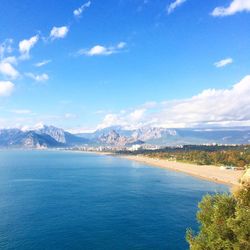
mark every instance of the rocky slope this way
{"type": "Point", "coordinates": [170, 137]}
{"type": "Point", "coordinates": [49, 136]}
{"type": "Point", "coordinates": [114, 138]}
{"type": "Point", "coordinates": [46, 137]}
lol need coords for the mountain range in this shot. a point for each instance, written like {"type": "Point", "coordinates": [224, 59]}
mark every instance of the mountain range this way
{"type": "Point", "coordinates": [45, 137]}
{"type": "Point", "coordinates": [50, 136]}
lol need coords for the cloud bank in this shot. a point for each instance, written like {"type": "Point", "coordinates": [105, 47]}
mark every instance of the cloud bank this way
{"type": "Point", "coordinates": [212, 107]}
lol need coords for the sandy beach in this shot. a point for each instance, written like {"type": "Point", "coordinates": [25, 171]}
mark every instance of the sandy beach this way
{"type": "Point", "coordinates": [212, 173]}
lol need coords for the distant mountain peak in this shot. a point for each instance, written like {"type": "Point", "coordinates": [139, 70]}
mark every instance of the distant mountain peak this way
{"type": "Point", "coordinates": [56, 133]}
{"type": "Point", "coordinates": [44, 136]}
{"type": "Point", "coordinates": [51, 136]}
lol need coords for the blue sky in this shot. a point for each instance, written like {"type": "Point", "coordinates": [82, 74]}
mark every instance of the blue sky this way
{"type": "Point", "coordinates": [88, 64]}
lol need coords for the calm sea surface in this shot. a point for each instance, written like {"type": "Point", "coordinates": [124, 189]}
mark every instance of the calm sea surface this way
{"type": "Point", "coordinates": [66, 200]}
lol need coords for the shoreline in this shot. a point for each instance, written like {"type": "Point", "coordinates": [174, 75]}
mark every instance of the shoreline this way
{"type": "Point", "coordinates": [205, 172]}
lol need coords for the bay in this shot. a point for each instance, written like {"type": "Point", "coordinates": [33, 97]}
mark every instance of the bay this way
{"type": "Point", "coordinates": [69, 200]}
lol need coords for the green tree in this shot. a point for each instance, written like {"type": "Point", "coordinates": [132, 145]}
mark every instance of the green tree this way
{"type": "Point", "coordinates": [224, 222]}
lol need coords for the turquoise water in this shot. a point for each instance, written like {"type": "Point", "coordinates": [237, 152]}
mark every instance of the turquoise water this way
{"type": "Point", "coordinates": [66, 200]}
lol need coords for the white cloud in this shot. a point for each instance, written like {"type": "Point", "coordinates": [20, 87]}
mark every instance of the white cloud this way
{"type": "Point", "coordinates": [137, 114]}
{"type": "Point", "coordinates": [39, 78]}
{"type": "Point", "coordinates": [6, 88]}
{"type": "Point", "coordinates": [10, 59]}
{"type": "Point", "coordinates": [174, 5]}
{"type": "Point", "coordinates": [8, 70]}
{"type": "Point", "coordinates": [128, 119]}
{"type": "Point", "coordinates": [59, 32]}
{"type": "Point", "coordinates": [21, 111]}
{"type": "Point", "coordinates": [235, 7]}
{"type": "Point", "coordinates": [32, 126]}
{"type": "Point", "coordinates": [100, 50]}
{"type": "Point", "coordinates": [112, 120]}
{"type": "Point", "coordinates": [26, 45]}
{"type": "Point", "coordinates": [100, 112]}
{"type": "Point", "coordinates": [121, 45]}
{"type": "Point", "coordinates": [223, 63]}
{"type": "Point", "coordinates": [42, 63]}
{"type": "Point", "coordinates": [148, 105]}
{"type": "Point", "coordinates": [220, 107]}
{"type": "Point", "coordinates": [213, 106]}
{"type": "Point", "coordinates": [79, 130]}
{"type": "Point", "coordinates": [78, 12]}
{"type": "Point", "coordinates": [69, 116]}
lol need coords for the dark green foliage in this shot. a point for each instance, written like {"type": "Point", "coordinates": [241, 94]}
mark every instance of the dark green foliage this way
{"type": "Point", "coordinates": [224, 222]}
{"type": "Point", "coordinates": [238, 156]}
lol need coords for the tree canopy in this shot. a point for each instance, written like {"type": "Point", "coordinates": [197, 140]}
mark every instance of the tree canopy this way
{"type": "Point", "coordinates": [224, 222]}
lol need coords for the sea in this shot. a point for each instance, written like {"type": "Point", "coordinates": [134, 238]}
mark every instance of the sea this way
{"type": "Point", "coordinates": [75, 200]}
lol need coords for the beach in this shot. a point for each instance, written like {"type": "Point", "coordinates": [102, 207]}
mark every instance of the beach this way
{"type": "Point", "coordinates": [208, 172]}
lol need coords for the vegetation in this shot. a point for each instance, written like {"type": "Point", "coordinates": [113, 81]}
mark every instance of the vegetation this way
{"type": "Point", "coordinates": [224, 222]}
{"type": "Point", "coordinates": [237, 156]}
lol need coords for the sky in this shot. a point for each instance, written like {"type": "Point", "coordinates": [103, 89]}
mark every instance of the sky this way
{"type": "Point", "coordinates": [83, 65]}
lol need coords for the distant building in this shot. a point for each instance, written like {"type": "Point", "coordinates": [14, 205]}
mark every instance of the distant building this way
{"type": "Point", "coordinates": [135, 147]}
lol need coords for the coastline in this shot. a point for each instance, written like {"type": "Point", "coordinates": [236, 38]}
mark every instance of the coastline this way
{"type": "Point", "coordinates": [206, 172]}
